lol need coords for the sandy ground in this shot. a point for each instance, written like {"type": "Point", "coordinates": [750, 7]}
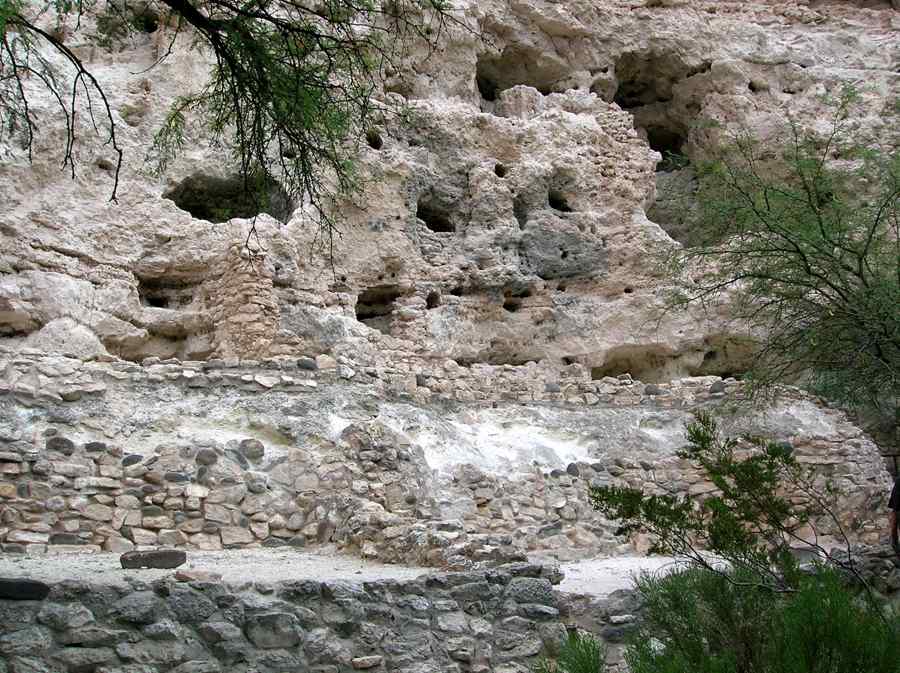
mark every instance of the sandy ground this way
{"type": "Point", "coordinates": [597, 577]}
{"type": "Point", "coordinates": [235, 567]}
{"type": "Point", "coordinates": [600, 577]}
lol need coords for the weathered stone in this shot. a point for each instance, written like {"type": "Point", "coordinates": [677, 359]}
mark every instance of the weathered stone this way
{"type": "Point", "coordinates": [140, 607]}
{"type": "Point", "coordinates": [61, 444]}
{"type": "Point", "coordinates": [252, 449]}
{"type": "Point", "coordinates": [65, 617]}
{"type": "Point", "coordinates": [273, 630]}
{"type": "Point", "coordinates": [188, 605]}
{"type": "Point", "coordinates": [153, 558]}
{"type": "Point", "coordinates": [530, 590]}
{"type": "Point", "coordinates": [84, 659]}
{"type": "Point", "coordinates": [365, 663]}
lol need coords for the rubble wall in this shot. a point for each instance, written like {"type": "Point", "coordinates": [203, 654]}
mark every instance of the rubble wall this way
{"type": "Point", "coordinates": [231, 454]}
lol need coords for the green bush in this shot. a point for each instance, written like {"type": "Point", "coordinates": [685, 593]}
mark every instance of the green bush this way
{"type": "Point", "coordinates": [698, 621]}
{"type": "Point", "coordinates": [581, 653]}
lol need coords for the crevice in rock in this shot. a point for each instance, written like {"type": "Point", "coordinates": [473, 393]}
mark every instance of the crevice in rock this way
{"type": "Point", "coordinates": [724, 356]}
{"type": "Point", "coordinates": [374, 140]}
{"type": "Point", "coordinates": [433, 300]}
{"type": "Point", "coordinates": [669, 142]}
{"type": "Point", "coordinates": [521, 210]}
{"type": "Point", "coordinates": [216, 199]}
{"type": "Point", "coordinates": [375, 306]}
{"type": "Point", "coordinates": [512, 299]}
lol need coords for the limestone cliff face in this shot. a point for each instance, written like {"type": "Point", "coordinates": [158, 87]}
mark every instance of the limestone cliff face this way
{"type": "Point", "coordinates": [503, 216]}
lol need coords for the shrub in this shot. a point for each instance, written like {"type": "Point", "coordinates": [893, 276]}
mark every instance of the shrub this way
{"type": "Point", "coordinates": [699, 621]}
{"type": "Point", "coordinates": [581, 653]}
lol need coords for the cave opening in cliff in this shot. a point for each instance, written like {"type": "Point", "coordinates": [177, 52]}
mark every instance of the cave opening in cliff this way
{"type": "Point", "coordinates": [219, 199]}
{"type": "Point", "coordinates": [170, 293]}
{"type": "Point", "coordinates": [435, 217]}
{"type": "Point", "coordinates": [670, 144]}
{"type": "Point", "coordinates": [558, 201]}
{"type": "Point", "coordinates": [375, 306]}
{"type": "Point", "coordinates": [516, 65]}
{"type": "Point", "coordinates": [647, 363]}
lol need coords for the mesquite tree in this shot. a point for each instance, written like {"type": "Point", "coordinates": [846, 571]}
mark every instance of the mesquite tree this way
{"type": "Point", "coordinates": [291, 80]}
{"type": "Point", "coordinates": [802, 234]}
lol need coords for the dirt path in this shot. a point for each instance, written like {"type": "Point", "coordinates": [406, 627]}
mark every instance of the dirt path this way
{"type": "Point", "coordinates": [596, 577]}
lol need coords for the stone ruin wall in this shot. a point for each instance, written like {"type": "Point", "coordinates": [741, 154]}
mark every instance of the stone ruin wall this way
{"type": "Point", "coordinates": [496, 621]}
{"type": "Point", "coordinates": [71, 480]}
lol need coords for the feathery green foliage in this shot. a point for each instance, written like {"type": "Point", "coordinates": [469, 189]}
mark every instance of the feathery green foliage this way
{"type": "Point", "coordinates": [802, 234]}
{"type": "Point", "coordinates": [696, 621]}
{"type": "Point", "coordinates": [290, 90]}
{"type": "Point", "coordinates": [764, 504]}
{"type": "Point", "coordinates": [580, 653]}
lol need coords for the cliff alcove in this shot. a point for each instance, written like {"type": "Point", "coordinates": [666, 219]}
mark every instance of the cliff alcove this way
{"type": "Point", "coordinates": [219, 199]}
{"type": "Point", "coordinates": [516, 65]}
{"type": "Point", "coordinates": [375, 306]}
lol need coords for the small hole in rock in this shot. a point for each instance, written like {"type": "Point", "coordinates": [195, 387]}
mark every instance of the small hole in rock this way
{"type": "Point", "coordinates": [561, 287]}
{"type": "Point", "coordinates": [500, 171]}
{"type": "Point", "coordinates": [512, 304]}
{"type": "Point", "coordinates": [435, 218]}
{"type": "Point", "coordinates": [433, 300]}
{"type": "Point", "coordinates": [457, 292]}
{"type": "Point", "coordinates": [373, 138]}
{"type": "Point", "coordinates": [628, 290]}
{"type": "Point", "coordinates": [563, 254]}
{"type": "Point", "coordinates": [558, 201]}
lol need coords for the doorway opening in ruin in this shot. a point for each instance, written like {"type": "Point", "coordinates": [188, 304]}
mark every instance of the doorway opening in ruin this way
{"type": "Point", "coordinates": [375, 306]}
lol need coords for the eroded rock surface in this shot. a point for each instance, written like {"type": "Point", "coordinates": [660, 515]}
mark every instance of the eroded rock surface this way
{"type": "Point", "coordinates": [503, 217]}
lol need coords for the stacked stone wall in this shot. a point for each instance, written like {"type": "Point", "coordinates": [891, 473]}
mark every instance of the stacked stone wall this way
{"type": "Point", "coordinates": [497, 621]}
{"type": "Point", "coordinates": [369, 492]}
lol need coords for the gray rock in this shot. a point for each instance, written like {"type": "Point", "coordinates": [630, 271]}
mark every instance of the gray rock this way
{"type": "Point", "coordinates": [84, 659]}
{"type": "Point", "coordinates": [198, 667]}
{"type": "Point", "coordinates": [164, 630]}
{"type": "Point", "coordinates": [153, 558]}
{"type": "Point", "coordinates": [207, 456]}
{"type": "Point", "coordinates": [530, 590]}
{"type": "Point", "coordinates": [92, 636]}
{"type": "Point", "coordinates": [273, 630]}
{"type": "Point", "coordinates": [188, 605]}
{"type": "Point", "coordinates": [65, 617]}
{"type": "Point", "coordinates": [252, 449]}
{"type": "Point", "coordinates": [26, 641]}
{"type": "Point", "coordinates": [61, 444]}
{"type": "Point", "coordinates": [140, 607]}
{"type": "Point", "coordinates": [214, 632]}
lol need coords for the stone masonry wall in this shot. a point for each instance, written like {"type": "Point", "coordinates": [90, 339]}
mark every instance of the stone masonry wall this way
{"type": "Point", "coordinates": [497, 621]}
{"type": "Point", "coordinates": [369, 489]}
